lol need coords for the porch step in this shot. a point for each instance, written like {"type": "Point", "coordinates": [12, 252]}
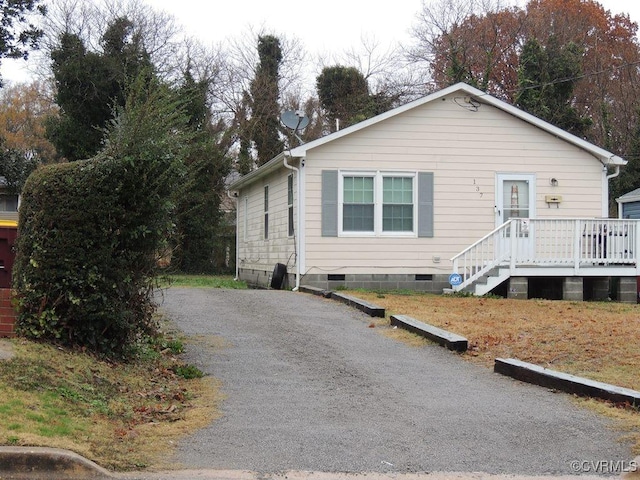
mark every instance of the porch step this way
{"type": "Point", "coordinates": [490, 280]}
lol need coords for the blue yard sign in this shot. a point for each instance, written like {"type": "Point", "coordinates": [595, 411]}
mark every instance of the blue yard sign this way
{"type": "Point", "coordinates": [455, 279]}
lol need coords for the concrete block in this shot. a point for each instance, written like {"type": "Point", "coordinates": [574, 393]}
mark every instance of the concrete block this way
{"type": "Point", "coordinates": [518, 288]}
{"type": "Point", "coordinates": [573, 289]}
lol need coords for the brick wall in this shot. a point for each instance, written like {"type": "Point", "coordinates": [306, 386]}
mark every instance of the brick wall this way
{"type": "Point", "coordinates": [7, 314]}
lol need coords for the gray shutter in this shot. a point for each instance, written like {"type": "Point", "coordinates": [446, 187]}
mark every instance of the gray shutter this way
{"type": "Point", "coordinates": [329, 203]}
{"type": "Point", "coordinates": [425, 204]}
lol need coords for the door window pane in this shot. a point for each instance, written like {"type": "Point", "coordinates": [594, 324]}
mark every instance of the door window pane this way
{"type": "Point", "coordinates": [515, 199]}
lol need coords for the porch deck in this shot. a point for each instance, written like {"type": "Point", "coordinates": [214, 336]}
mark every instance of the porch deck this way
{"type": "Point", "coordinates": [550, 247]}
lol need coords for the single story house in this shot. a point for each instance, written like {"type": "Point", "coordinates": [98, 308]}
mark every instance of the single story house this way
{"type": "Point", "coordinates": [455, 190]}
{"type": "Point", "coordinates": [8, 203]}
{"type": "Point", "coordinates": [629, 204]}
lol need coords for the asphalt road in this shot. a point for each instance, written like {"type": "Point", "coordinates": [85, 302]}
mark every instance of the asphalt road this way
{"type": "Point", "coordinates": [310, 387]}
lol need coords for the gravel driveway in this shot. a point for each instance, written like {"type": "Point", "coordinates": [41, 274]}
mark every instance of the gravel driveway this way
{"type": "Point", "coordinates": [310, 387]}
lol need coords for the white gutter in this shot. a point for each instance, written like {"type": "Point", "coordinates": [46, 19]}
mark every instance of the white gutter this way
{"type": "Point", "coordinates": [297, 232]}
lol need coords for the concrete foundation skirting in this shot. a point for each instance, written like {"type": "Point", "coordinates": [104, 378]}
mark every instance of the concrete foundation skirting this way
{"type": "Point", "coordinates": [447, 339]}
{"type": "Point", "coordinates": [530, 373]}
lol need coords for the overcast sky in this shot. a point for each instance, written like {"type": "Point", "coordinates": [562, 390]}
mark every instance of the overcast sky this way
{"type": "Point", "coordinates": [327, 27]}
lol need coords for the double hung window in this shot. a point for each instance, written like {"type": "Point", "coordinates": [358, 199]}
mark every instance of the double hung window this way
{"type": "Point", "coordinates": [377, 203]}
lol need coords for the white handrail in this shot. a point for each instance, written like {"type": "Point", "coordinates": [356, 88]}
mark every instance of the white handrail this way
{"type": "Point", "coordinates": [566, 242]}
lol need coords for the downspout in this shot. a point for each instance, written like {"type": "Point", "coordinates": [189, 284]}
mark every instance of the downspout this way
{"type": "Point", "coordinates": [235, 197]}
{"type": "Point", "coordinates": [608, 177]}
{"type": "Point", "coordinates": [298, 215]}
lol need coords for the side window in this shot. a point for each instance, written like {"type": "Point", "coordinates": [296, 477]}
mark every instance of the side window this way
{"type": "Point", "coordinates": [8, 203]}
{"type": "Point", "coordinates": [266, 212]}
{"type": "Point", "coordinates": [290, 204]}
{"type": "Point", "coordinates": [377, 203]}
{"type": "Point", "coordinates": [245, 223]}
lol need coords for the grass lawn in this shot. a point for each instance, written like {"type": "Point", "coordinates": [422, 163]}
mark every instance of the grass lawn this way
{"type": "Point", "coordinates": [209, 281]}
{"type": "Point", "coordinates": [600, 341]}
{"type": "Point", "coordinates": [122, 416]}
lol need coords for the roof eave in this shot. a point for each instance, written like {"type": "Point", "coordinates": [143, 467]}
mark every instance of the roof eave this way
{"type": "Point", "coordinates": [605, 157]}
{"type": "Point", "coordinates": [258, 173]}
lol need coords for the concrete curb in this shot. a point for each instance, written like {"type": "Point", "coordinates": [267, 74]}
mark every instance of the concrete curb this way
{"type": "Point", "coordinates": [35, 463]}
{"type": "Point", "coordinates": [537, 375]}
{"type": "Point", "coordinates": [447, 339]}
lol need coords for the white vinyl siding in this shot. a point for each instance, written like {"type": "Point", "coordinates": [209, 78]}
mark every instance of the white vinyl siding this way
{"type": "Point", "coordinates": [464, 150]}
{"type": "Point", "coordinates": [253, 251]}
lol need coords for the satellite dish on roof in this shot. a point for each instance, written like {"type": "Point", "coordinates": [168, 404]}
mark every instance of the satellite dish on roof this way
{"type": "Point", "coordinates": [295, 120]}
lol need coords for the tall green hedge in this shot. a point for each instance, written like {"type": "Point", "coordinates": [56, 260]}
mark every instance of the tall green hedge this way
{"type": "Point", "coordinates": [90, 232]}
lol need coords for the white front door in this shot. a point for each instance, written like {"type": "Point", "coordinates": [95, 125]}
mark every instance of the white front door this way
{"type": "Point", "coordinates": [515, 198]}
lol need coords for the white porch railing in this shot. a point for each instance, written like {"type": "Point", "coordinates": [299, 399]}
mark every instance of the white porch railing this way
{"type": "Point", "coordinates": [575, 243]}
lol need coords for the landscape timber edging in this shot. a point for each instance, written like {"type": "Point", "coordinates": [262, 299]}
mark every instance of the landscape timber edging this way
{"type": "Point", "coordinates": [320, 292]}
{"type": "Point", "coordinates": [447, 339]}
{"type": "Point", "coordinates": [369, 308]}
{"type": "Point", "coordinates": [537, 375]}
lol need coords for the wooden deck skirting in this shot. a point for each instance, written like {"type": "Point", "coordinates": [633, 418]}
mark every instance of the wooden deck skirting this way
{"type": "Point", "coordinates": [537, 375]}
{"type": "Point", "coordinates": [369, 308]}
{"type": "Point", "coordinates": [7, 314]}
{"type": "Point", "coordinates": [447, 339]}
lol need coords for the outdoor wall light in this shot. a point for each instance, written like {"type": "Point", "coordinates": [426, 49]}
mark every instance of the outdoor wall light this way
{"type": "Point", "coordinates": [553, 182]}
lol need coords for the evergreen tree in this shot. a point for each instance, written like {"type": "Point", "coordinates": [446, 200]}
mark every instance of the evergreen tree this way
{"type": "Point", "coordinates": [17, 36]}
{"type": "Point", "coordinates": [265, 109]}
{"type": "Point", "coordinates": [90, 85]}
{"type": "Point", "coordinates": [629, 178]}
{"type": "Point", "coordinates": [546, 80]}
{"type": "Point", "coordinates": [344, 96]}
{"type": "Point", "coordinates": [198, 216]}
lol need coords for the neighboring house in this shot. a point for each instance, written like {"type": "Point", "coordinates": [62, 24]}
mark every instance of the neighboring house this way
{"type": "Point", "coordinates": [8, 203]}
{"type": "Point", "coordinates": [629, 205]}
{"type": "Point", "coordinates": [455, 182]}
